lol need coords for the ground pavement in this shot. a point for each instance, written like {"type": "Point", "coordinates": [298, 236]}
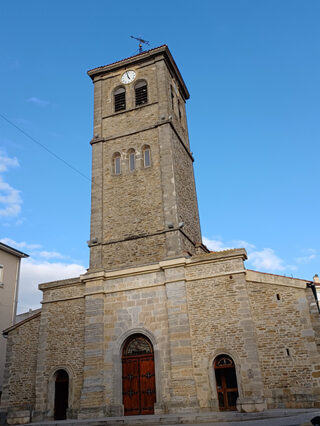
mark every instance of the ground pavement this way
{"type": "Point", "coordinates": [279, 417]}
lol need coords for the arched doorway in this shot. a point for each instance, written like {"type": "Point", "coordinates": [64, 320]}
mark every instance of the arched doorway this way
{"type": "Point", "coordinates": [226, 381]}
{"type": "Point", "coordinates": [61, 395]}
{"type": "Point", "coordinates": [138, 376]}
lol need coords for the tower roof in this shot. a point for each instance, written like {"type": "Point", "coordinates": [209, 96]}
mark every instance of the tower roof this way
{"type": "Point", "coordinates": [141, 57]}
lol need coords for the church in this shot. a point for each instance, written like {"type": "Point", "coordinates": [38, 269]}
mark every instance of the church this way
{"type": "Point", "coordinates": [158, 324]}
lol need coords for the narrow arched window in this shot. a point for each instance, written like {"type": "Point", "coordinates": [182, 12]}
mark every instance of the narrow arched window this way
{"type": "Point", "coordinates": [132, 159]}
{"type": "Point", "coordinates": [179, 109]}
{"type": "Point", "coordinates": [141, 91]}
{"type": "Point", "coordinates": [172, 97]}
{"type": "Point", "coordinates": [119, 99]}
{"type": "Point", "coordinates": [117, 163]}
{"type": "Point", "coordinates": [146, 156]}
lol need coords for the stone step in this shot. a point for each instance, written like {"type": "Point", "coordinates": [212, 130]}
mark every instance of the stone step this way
{"type": "Point", "coordinates": [192, 418]}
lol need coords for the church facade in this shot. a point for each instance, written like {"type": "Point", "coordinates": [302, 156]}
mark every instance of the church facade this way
{"type": "Point", "coordinates": [158, 324]}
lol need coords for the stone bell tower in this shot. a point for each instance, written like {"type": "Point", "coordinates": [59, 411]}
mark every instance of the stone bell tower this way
{"type": "Point", "coordinates": [144, 204]}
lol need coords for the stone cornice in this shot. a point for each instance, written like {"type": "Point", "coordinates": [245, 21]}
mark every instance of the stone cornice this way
{"type": "Point", "coordinates": [271, 279]}
{"type": "Point", "coordinates": [62, 283]}
{"type": "Point", "coordinates": [13, 327]}
{"type": "Point", "coordinates": [218, 256]}
{"type": "Point", "coordinates": [144, 129]}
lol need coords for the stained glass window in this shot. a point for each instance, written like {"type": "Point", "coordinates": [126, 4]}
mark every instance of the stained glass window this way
{"type": "Point", "coordinates": [138, 345]}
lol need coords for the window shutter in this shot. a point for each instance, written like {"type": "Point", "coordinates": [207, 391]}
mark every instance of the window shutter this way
{"type": "Point", "coordinates": [141, 90]}
{"type": "Point", "coordinates": [120, 99]}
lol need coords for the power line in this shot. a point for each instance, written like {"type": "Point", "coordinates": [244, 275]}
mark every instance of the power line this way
{"type": "Point", "coordinates": [46, 149]}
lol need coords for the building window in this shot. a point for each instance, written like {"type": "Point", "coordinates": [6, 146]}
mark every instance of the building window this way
{"type": "Point", "coordinates": [179, 108]}
{"type": "Point", "coordinates": [146, 156]}
{"type": "Point", "coordinates": [132, 160]}
{"type": "Point", "coordinates": [172, 97]}
{"type": "Point", "coordinates": [120, 99]}
{"type": "Point", "coordinates": [141, 90]}
{"type": "Point", "coordinates": [117, 163]}
{"type": "Point", "coordinates": [1, 274]}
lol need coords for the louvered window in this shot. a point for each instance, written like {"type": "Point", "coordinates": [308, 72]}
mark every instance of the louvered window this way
{"type": "Point", "coordinates": [141, 90]}
{"type": "Point", "coordinates": [120, 99]}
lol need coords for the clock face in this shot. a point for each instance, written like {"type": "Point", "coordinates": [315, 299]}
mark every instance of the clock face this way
{"type": "Point", "coordinates": [128, 77]}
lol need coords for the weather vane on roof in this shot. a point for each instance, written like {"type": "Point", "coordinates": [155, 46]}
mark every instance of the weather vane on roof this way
{"type": "Point", "coordinates": [140, 40]}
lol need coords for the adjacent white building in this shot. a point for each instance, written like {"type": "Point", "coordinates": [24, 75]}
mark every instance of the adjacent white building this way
{"type": "Point", "coordinates": [10, 260]}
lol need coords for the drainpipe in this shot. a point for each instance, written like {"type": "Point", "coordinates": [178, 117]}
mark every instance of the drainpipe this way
{"type": "Point", "coordinates": [314, 291]}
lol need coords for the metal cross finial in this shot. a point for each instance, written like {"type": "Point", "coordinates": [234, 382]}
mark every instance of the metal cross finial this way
{"type": "Point", "coordinates": [140, 40]}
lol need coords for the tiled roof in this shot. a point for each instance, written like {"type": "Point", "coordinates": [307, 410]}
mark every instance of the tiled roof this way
{"type": "Point", "coordinates": [129, 57]}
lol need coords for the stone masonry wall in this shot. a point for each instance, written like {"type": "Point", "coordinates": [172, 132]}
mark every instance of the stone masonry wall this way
{"type": "Point", "coordinates": [19, 378]}
{"type": "Point", "coordinates": [64, 345]}
{"type": "Point", "coordinates": [221, 323]}
{"type": "Point", "coordinates": [187, 206]}
{"type": "Point", "coordinates": [132, 200]}
{"type": "Point", "coordinates": [118, 307]}
{"type": "Point", "coordinates": [286, 344]}
{"type": "Point", "coordinates": [61, 344]}
{"type": "Point", "coordinates": [218, 326]}
{"type": "Point", "coordinates": [132, 203]}
{"type": "Point", "coordinates": [130, 252]}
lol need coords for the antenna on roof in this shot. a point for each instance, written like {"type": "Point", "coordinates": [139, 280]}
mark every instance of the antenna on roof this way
{"type": "Point", "coordinates": [140, 40]}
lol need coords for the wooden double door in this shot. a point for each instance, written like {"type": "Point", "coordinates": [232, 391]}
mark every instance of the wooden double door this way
{"type": "Point", "coordinates": [138, 377]}
{"type": "Point", "coordinates": [226, 381]}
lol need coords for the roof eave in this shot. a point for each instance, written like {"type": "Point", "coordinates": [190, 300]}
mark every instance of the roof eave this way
{"type": "Point", "coordinates": [13, 251]}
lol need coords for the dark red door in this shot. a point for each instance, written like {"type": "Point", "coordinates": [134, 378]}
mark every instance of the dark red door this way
{"type": "Point", "coordinates": [138, 377]}
{"type": "Point", "coordinates": [226, 381]}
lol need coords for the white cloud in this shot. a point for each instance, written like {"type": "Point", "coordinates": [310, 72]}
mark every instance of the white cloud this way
{"type": "Point", "coordinates": [311, 254]}
{"type": "Point", "coordinates": [51, 255]}
{"type": "Point", "coordinates": [218, 245]}
{"type": "Point", "coordinates": [266, 259]}
{"type": "Point", "coordinates": [21, 245]}
{"type": "Point", "coordinates": [245, 244]}
{"type": "Point", "coordinates": [6, 162]}
{"type": "Point", "coordinates": [10, 200]}
{"type": "Point", "coordinates": [34, 273]}
{"type": "Point", "coordinates": [215, 245]}
{"type": "Point", "coordinates": [40, 102]}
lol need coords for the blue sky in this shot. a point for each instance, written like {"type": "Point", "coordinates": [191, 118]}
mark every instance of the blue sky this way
{"type": "Point", "coordinates": [252, 68]}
